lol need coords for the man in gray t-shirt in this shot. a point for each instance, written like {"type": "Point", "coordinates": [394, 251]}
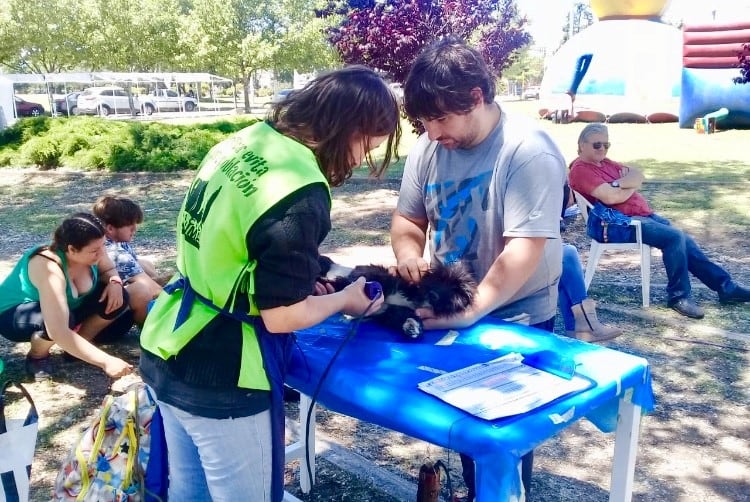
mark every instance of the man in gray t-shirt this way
{"type": "Point", "coordinates": [486, 185]}
{"type": "Point", "coordinates": [486, 188]}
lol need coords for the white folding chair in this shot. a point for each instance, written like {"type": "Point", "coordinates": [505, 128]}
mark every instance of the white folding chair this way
{"type": "Point", "coordinates": [597, 248]}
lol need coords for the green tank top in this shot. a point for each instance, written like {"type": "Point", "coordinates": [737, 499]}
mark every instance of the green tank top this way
{"type": "Point", "coordinates": [239, 180]}
{"type": "Point", "coordinates": [17, 288]}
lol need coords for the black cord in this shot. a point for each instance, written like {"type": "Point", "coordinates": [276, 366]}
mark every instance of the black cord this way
{"type": "Point", "coordinates": [313, 399]}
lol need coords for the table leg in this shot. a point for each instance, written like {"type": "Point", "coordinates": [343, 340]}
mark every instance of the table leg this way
{"type": "Point", "coordinates": [498, 477]}
{"type": "Point", "coordinates": [305, 445]}
{"type": "Point", "coordinates": [626, 448]}
{"type": "Point", "coordinates": [306, 478]}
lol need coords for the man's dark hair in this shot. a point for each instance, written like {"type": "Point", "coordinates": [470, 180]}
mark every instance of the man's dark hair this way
{"type": "Point", "coordinates": [332, 109]}
{"type": "Point", "coordinates": [117, 211]}
{"type": "Point", "coordinates": [442, 77]}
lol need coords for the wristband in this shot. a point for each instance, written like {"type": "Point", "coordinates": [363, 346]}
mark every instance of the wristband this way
{"type": "Point", "coordinates": [115, 279]}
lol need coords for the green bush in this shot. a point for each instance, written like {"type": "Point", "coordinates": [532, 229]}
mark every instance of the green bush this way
{"type": "Point", "coordinates": [10, 135]}
{"type": "Point", "coordinates": [7, 156]}
{"type": "Point", "coordinates": [72, 143]}
{"type": "Point", "coordinates": [34, 126]}
{"type": "Point", "coordinates": [23, 130]}
{"type": "Point", "coordinates": [41, 151]}
{"type": "Point", "coordinates": [95, 143]}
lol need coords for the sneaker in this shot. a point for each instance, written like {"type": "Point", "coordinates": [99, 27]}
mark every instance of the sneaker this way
{"type": "Point", "coordinates": [734, 294]}
{"type": "Point", "coordinates": [40, 369]}
{"type": "Point", "coordinates": [688, 308]}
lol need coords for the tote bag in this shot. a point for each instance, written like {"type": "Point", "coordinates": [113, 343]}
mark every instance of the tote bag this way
{"type": "Point", "coordinates": [118, 458]}
{"type": "Point", "coordinates": [17, 444]}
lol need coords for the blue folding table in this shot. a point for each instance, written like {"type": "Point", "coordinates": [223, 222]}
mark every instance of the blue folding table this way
{"type": "Point", "coordinates": [375, 377]}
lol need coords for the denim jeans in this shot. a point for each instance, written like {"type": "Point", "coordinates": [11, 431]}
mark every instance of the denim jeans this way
{"type": "Point", "coordinates": [218, 459]}
{"type": "Point", "coordinates": [571, 288]}
{"type": "Point", "coordinates": [681, 256]}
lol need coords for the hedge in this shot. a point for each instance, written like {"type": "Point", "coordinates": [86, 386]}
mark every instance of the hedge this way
{"type": "Point", "coordinates": [117, 146]}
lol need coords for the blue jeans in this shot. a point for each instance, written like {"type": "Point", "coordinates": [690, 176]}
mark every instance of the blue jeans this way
{"type": "Point", "coordinates": [571, 288]}
{"type": "Point", "coordinates": [681, 256]}
{"type": "Point", "coordinates": [218, 459]}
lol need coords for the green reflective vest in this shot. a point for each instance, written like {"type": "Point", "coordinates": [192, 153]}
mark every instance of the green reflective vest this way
{"type": "Point", "coordinates": [239, 180]}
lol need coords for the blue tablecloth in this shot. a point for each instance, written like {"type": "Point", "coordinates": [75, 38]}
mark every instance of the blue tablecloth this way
{"type": "Point", "coordinates": [375, 377]}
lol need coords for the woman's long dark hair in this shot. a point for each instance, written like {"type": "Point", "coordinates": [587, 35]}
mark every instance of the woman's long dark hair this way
{"type": "Point", "coordinates": [332, 109]}
{"type": "Point", "coordinates": [77, 230]}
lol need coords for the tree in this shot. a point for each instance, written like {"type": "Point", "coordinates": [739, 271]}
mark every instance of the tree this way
{"type": "Point", "coordinates": [527, 69]}
{"type": "Point", "coordinates": [43, 36]}
{"type": "Point", "coordinates": [387, 35]}
{"type": "Point", "coordinates": [240, 37]}
{"type": "Point", "coordinates": [48, 36]}
{"type": "Point", "coordinates": [134, 35]}
{"type": "Point", "coordinates": [578, 18]}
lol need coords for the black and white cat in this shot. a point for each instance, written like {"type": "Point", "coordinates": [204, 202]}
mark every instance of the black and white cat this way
{"type": "Point", "coordinates": [447, 289]}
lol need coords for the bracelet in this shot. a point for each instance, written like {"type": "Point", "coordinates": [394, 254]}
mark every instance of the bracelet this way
{"type": "Point", "coordinates": [115, 279]}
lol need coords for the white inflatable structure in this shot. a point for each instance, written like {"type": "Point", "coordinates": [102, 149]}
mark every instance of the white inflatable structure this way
{"type": "Point", "coordinates": [633, 75]}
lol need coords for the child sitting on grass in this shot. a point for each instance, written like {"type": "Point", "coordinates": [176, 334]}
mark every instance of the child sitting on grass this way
{"type": "Point", "coordinates": [121, 217]}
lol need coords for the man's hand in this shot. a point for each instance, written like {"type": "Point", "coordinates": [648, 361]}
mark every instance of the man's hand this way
{"type": "Point", "coordinates": [413, 269]}
{"type": "Point", "coordinates": [460, 320]}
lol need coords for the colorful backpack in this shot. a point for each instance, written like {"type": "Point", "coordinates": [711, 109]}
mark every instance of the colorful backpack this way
{"type": "Point", "coordinates": [111, 459]}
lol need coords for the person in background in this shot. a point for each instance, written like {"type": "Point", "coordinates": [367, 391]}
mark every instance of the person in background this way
{"type": "Point", "coordinates": [598, 178]}
{"type": "Point", "coordinates": [64, 293]}
{"type": "Point", "coordinates": [577, 309]}
{"type": "Point", "coordinates": [121, 217]}
{"type": "Point", "coordinates": [215, 344]}
{"type": "Point", "coordinates": [488, 186]}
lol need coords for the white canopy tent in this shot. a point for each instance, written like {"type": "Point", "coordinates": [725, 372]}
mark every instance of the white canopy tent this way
{"type": "Point", "coordinates": [99, 78]}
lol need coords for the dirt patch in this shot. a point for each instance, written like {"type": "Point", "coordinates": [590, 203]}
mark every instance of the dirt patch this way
{"type": "Point", "coordinates": [693, 447]}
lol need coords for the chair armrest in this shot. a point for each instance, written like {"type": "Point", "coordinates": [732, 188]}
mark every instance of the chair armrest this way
{"type": "Point", "coordinates": [638, 232]}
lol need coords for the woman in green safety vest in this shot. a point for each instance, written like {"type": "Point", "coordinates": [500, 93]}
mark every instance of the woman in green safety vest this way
{"type": "Point", "coordinates": [215, 344]}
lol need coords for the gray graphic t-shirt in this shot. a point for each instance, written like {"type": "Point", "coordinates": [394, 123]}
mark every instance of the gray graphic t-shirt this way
{"type": "Point", "coordinates": [510, 185]}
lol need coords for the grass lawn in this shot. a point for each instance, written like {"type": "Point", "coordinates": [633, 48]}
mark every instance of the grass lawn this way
{"type": "Point", "coordinates": [693, 447]}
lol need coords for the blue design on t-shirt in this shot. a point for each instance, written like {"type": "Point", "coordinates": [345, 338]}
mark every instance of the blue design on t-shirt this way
{"type": "Point", "coordinates": [456, 231]}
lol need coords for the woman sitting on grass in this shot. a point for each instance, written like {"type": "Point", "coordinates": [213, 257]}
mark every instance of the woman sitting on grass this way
{"type": "Point", "coordinates": [56, 294]}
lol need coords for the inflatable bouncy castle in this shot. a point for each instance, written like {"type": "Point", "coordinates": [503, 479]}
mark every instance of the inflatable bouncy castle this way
{"type": "Point", "coordinates": [624, 68]}
{"type": "Point", "coordinates": [709, 66]}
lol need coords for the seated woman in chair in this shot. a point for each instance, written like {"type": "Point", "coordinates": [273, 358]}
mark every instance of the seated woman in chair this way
{"type": "Point", "coordinates": [598, 178]}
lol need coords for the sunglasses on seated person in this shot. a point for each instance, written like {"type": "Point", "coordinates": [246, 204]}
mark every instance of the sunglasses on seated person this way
{"type": "Point", "coordinates": [598, 144]}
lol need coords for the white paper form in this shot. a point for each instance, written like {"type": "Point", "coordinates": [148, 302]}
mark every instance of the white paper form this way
{"type": "Point", "coordinates": [501, 387]}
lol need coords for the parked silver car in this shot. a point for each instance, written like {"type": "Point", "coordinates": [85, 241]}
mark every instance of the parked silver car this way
{"type": "Point", "coordinates": [106, 100]}
{"type": "Point", "coordinates": [166, 100]}
{"type": "Point", "coordinates": [531, 93]}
